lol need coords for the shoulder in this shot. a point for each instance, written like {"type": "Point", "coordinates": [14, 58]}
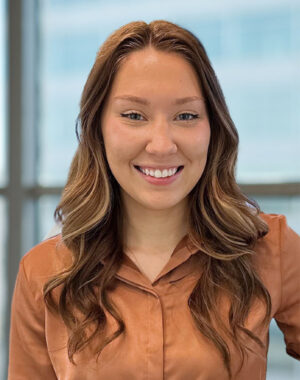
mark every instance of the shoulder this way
{"type": "Point", "coordinates": [277, 254]}
{"type": "Point", "coordinates": [279, 231]}
{"type": "Point", "coordinates": [269, 245]}
{"type": "Point", "coordinates": [280, 243]}
{"type": "Point", "coordinates": [43, 261]}
{"type": "Point", "coordinates": [274, 221]}
{"type": "Point", "coordinates": [282, 238]}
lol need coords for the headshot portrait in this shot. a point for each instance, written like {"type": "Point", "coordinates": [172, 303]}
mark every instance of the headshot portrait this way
{"type": "Point", "coordinates": [161, 264]}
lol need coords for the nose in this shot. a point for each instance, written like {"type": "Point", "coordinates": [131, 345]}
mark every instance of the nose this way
{"type": "Point", "coordinates": [160, 139]}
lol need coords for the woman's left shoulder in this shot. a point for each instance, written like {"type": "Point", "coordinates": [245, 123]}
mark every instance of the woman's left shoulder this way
{"type": "Point", "coordinates": [277, 260]}
{"type": "Point", "coordinates": [274, 221]}
{"type": "Point", "coordinates": [279, 248]}
{"type": "Point", "coordinates": [278, 252]}
{"type": "Point", "coordinates": [280, 235]}
{"type": "Point", "coordinates": [278, 255]}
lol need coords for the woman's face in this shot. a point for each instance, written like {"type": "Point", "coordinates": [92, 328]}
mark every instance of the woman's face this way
{"type": "Point", "coordinates": [148, 122]}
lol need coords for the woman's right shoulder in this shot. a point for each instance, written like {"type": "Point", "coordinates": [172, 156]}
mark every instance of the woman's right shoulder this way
{"type": "Point", "coordinates": [46, 259]}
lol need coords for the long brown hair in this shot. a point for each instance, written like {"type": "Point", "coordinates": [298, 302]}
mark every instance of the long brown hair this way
{"type": "Point", "coordinates": [223, 223]}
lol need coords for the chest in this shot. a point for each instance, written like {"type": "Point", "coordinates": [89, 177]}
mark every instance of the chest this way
{"type": "Point", "coordinates": [161, 341]}
{"type": "Point", "coordinates": [149, 265]}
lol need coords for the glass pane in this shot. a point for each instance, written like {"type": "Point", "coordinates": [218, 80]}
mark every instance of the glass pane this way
{"type": "Point", "coordinates": [2, 93]}
{"type": "Point", "coordinates": [3, 283]}
{"type": "Point", "coordinates": [268, 152]}
{"type": "Point", "coordinates": [259, 30]}
{"type": "Point", "coordinates": [46, 207]}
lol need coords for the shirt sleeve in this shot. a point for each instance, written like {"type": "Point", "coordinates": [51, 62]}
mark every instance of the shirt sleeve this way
{"type": "Point", "coordinates": [288, 315]}
{"type": "Point", "coordinates": [28, 355]}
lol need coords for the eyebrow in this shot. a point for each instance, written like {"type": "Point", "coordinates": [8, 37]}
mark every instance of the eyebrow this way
{"type": "Point", "coordinates": [145, 102]}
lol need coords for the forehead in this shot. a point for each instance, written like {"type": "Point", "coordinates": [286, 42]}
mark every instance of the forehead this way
{"type": "Point", "coordinates": [150, 69]}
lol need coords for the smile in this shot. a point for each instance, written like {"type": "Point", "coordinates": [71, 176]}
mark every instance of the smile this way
{"type": "Point", "coordinates": [157, 173]}
{"type": "Point", "coordinates": [156, 178]}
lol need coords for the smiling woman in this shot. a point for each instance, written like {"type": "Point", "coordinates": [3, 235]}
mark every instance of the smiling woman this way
{"type": "Point", "coordinates": [162, 87]}
{"type": "Point", "coordinates": [164, 269]}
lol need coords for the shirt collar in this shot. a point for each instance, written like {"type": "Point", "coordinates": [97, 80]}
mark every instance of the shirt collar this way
{"type": "Point", "coordinates": [182, 252]}
{"type": "Point", "coordinates": [129, 272]}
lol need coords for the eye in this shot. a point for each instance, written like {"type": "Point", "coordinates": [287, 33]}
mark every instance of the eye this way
{"type": "Point", "coordinates": [132, 116]}
{"type": "Point", "coordinates": [188, 116]}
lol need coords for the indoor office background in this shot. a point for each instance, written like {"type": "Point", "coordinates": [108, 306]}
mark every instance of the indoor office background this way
{"type": "Point", "coordinates": [47, 48]}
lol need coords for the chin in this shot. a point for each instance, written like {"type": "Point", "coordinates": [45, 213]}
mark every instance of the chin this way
{"type": "Point", "coordinates": [156, 205]}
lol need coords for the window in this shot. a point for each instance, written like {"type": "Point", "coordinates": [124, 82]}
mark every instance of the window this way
{"type": "Point", "coordinates": [265, 34]}
{"type": "Point", "coordinates": [266, 118]}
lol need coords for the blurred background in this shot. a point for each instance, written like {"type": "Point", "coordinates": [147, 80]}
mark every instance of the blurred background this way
{"type": "Point", "coordinates": [47, 49]}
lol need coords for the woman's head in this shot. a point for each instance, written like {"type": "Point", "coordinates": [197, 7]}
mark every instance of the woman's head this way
{"type": "Point", "coordinates": [179, 66]}
{"type": "Point", "coordinates": [149, 123]}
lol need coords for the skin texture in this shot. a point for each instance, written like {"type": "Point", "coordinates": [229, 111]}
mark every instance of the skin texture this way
{"type": "Point", "coordinates": [157, 134]}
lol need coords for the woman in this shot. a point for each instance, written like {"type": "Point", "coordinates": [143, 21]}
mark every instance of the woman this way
{"type": "Point", "coordinates": [163, 269]}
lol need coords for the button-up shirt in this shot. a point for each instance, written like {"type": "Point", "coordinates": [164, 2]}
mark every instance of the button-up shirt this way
{"type": "Point", "coordinates": [161, 340]}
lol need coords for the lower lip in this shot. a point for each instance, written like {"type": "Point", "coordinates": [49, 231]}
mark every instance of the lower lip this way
{"type": "Point", "coordinates": [159, 181]}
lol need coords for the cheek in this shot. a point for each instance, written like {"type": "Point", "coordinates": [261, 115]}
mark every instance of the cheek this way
{"type": "Point", "coordinates": [199, 143]}
{"type": "Point", "coordinates": [119, 143]}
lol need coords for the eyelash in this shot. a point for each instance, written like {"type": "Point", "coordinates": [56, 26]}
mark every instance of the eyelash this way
{"type": "Point", "coordinates": [195, 116]}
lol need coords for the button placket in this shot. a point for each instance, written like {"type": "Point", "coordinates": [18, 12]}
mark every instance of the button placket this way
{"type": "Point", "coordinates": [155, 332]}
{"type": "Point", "coordinates": [155, 349]}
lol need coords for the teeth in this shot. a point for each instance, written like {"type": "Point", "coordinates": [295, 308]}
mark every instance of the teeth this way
{"type": "Point", "coordinates": [158, 173]}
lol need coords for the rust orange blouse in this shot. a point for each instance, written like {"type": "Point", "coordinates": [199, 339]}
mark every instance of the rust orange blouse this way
{"type": "Point", "coordinates": [161, 341]}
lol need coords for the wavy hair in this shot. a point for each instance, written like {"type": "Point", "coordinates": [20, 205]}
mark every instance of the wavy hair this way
{"type": "Point", "coordinates": [223, 223]}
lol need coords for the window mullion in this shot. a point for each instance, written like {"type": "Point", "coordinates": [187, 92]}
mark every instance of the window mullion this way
{"type": "Point", "coordinates": [21, 122]}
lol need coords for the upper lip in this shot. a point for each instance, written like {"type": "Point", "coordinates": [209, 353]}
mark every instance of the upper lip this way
{"type": "Point", "coordinates": [158, 166]}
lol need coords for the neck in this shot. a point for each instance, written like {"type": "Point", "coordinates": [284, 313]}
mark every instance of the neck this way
{"type": "Point", "coordinates": [153, 231]}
